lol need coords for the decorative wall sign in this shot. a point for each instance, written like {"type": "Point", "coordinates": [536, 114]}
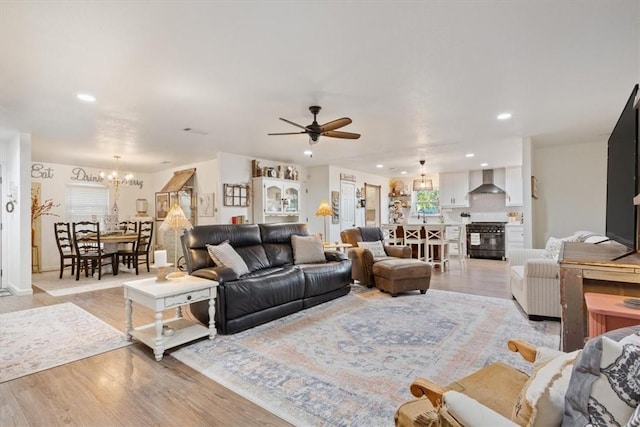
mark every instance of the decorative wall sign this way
{"type": "Point", "coordinates": [335, 206]}
{"type": "Point", "coordinates": [347, 177]}
{"type": "Point", "coordinates": [235, 195]}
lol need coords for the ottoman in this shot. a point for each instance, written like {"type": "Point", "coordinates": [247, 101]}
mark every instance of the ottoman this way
{"type": "Point", "coordinates": [401, 275]}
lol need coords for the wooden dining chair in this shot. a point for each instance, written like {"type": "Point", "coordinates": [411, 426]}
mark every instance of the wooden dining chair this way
{"type": "Point", "coordinates": [89, 249]}
{"type": "Point", "coordinates": [139, 253]}
{"type": "Point", "coordinates": [127, 227]}
{"type": "Point", "coordinates": [65, 246]}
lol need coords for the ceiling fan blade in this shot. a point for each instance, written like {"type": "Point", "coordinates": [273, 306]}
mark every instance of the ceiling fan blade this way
{"type": "Point", "coordinates": [292, 123]}
{"type": "Point", "coordinates": [335, 124]}
{"type": "Point", "coordinates": [344, 135]}
{"type": "Point", "coordinates": [286, 133]}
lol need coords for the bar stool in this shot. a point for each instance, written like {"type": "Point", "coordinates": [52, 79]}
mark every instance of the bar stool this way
{"type": "Point", "coordinates": [458, 237]}
{"type": "Point", "coordinates": [413, 235]}
{"type": "Point", "coordinates": [438, 244]}
{"type": "Point", "coordinates": [390, 234]}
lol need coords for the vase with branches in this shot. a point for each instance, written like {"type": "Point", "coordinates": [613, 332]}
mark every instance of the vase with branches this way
{"type": "Point", "coordinates": [38, 210]}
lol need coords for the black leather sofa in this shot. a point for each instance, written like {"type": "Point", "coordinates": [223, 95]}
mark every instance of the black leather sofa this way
{"type": "Point", "coordinates": [274, 286]}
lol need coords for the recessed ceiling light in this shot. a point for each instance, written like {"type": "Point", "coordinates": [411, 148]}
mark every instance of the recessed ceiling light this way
{"type": "Point", "coordinates": [379, 166]}
{"type": "Point", "coordinates": [403, 173]}
{"type": "Point", "coordinates": [484, 164]}
{"type": "Point", "coordinates": [86, 97]}
{"type": "Point", "coordinates": [504, 116]}
{"type": "Point", "coordinates": [308, 152]}
{"type": "Point", "coordinates": [469, 155]}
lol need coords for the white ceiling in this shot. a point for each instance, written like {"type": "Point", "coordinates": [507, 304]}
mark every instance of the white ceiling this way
{"type": "Point", "coordinates": [419, 79]}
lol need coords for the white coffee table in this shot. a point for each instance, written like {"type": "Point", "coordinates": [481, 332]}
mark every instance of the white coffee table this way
{"type": "Point", "coordinates": [160, 296]}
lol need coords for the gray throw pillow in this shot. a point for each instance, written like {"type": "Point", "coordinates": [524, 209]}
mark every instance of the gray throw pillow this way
{"type": "Point", "coordinates": [307, 250]}
{"type": "Point", "coordinates": [224, 255]}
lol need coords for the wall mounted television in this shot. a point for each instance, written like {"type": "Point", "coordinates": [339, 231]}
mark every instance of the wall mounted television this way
{"type": "Point", "coordinates": [623, 177]}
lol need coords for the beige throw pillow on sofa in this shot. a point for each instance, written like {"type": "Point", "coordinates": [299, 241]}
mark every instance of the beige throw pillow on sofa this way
{"type": "Point", "coordinates": [376, 248]}
{"type": "Point", "coordinates": [307, 250]}
{"type": "Point", "coordinates": [224, 255]}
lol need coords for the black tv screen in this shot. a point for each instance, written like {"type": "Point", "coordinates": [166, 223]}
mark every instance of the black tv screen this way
{"type": "Point", "coordinates": [623, 176]}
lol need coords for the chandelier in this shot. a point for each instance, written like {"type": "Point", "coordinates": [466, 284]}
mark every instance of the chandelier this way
{"type": "Point", "coordinates": [115, 179]}
{"type": "Point", "coordinates": [422, 183]}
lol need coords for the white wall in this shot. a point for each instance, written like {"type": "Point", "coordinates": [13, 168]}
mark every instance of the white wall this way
{"type": "Point", "coordinates": [572, 185]}
{"type": "Point", "coordinates": [15, 155]}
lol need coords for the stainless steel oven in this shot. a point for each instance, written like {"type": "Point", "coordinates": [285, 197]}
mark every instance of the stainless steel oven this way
{"type": "Point", "coordinates": [486, 240]}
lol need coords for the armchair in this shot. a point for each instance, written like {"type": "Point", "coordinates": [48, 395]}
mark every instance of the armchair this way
{"type": "Point", "coordinates": [534, 282]}
{"type": "Point", "coordinates": [362, 259]}
{"type": "Point", "coordinates": [578, 388]}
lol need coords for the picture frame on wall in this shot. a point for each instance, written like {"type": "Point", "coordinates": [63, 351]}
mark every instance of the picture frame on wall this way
{"type": "Point", "coordinates": [206, 204]}
{"type": "Point", "coordinates": [335, 206]}
{"type": "Point", "coordinates": [235, 195]}
{"type": "Point", "coordinates": [534, 187]}
{"type": "Point", "coordinates": [163, 204]}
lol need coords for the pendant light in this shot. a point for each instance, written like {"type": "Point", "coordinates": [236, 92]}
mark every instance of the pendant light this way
{"type": "Point", "coordinates": [422, 184]}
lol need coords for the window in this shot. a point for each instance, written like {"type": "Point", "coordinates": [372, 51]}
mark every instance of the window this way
{"type": "Point", "coordinates": [426, 202]}
{"type": "Point", "coordinates": [86, 202]}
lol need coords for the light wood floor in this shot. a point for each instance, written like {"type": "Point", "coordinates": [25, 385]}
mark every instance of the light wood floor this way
{"type": "Point", "coordinates": [128, 387]}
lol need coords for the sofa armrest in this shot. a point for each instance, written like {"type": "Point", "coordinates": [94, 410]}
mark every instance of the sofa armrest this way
{"type": "Point", "coordinates": [219, 274]}
{"type": "Point", "coordinates": [398, 251]}
{"type": "Point", "coordinates": [469, 412]}
{"type": "Point", "coordinates": [545, 268]}
{"type": "Point", "coordinates": [519, 256]}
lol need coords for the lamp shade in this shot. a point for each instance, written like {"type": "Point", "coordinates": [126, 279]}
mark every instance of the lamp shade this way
{"type": "Point", "coordinates": [324, 209]}
{"type": "Point", "coordinates": [422, 184]}
{"type": "Point", "coordinates": [176, 220]}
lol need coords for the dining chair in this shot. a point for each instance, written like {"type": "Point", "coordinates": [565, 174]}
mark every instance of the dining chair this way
{"type": "Point", "coordinates": [139, 253]}
{"type": "Point", "coordinates": [65, 246]}
{"type": "Point", "coordinates": [437, 244]}
{"type": "Point", "coordinates": [413, 235]}
{"type": "Point", "coordinates": [89, 249]}
{"type": "Point", "coordinates": [391, 235]}
{"type": "Point", "coordinates": [127, 227]}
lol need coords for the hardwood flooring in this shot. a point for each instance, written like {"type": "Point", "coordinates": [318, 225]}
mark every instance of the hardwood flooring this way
{"type": "Point", "coordinates": [128, 387]}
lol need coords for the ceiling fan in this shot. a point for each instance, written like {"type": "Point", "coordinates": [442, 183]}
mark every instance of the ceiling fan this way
{"type": "Point", "coordinates": [315, 130]}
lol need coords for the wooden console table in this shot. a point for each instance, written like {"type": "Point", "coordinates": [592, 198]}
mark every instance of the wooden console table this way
{"type": "Point", "coordinates": [585, 267]}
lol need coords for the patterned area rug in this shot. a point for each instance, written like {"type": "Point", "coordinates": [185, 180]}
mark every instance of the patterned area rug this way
{"type": "Point", "coordinates": [41, 338]}
{"type": "Point", "coordinates": [350, 362]}
{"type": "Point", "coordinates": [51, 283]}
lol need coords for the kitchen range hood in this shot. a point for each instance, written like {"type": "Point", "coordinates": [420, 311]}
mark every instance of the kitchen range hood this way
{"type": "Point", "coordinates": [487, 187]}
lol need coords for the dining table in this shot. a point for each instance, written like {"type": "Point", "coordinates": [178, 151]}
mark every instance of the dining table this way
{"type": "Point", "coordinates": [110, 240]}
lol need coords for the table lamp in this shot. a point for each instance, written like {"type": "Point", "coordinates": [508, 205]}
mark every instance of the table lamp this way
{"type": "Point", "coordinates": [324, 210]}
{"type": "Point", "coordinates": [176, 220]}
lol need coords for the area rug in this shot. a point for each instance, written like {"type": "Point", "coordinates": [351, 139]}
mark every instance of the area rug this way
{"type": "Point", "coordinates": [349, 362]}
{"type": "Point", "coordinates": [41, 338]}
{"type": "Point", "coordinates": [51, 283]}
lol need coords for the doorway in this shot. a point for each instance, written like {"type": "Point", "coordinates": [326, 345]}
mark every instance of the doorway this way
{"type": "Point", "coordinates": [347, 205]}
{"type": "Point", "coordinates": [372, 197]}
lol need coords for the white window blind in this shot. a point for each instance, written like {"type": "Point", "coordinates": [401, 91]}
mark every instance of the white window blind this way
{"type": "Point", "coordinates": [86, 202]}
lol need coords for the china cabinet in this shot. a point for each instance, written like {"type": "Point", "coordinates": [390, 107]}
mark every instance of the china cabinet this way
{"type": "Point", "coordinates": [276, 200]}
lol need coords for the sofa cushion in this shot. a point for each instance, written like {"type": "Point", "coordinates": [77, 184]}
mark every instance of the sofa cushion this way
{"type": "Point", "coordinates": [605, 387]}
{"type": "Point", "coordinates": [541, 401]}
{"type": "Point", "coordinates": [224, 255]}
{"type": "Point", "coordinates": [376, 248]}
{"type": "Point", "coordinates": [307, 250]}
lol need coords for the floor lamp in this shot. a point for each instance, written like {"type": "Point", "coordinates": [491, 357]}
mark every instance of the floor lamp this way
{"type": "Point", "coordinates": [176, 220]}
{"type": "Point", "coordinates": [324, 210]}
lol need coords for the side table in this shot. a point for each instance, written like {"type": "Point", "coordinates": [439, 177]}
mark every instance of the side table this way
{"type": "Point", "coordinates": [160, 296]}
{"type": "Point", "coordinates": [607, 312]}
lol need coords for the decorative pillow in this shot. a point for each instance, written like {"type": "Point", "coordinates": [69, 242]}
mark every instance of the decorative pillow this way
{"type": "Point", "coordinates": [307, 250]}
{"type": "Point", "coordinates": [552, 250]}
{"type": "Point", "coordinates": [610, 363]}
{"type": "Point", "coordinates": [634, 421]}
{"type": "Point", "coordinates": [541, 401]}
{"type": "Point", "coordinates": [376, 248]}
{"type": "Point", "coordinates": [616, 393]}
{"type": "Point", "coordinates": [224, 255]}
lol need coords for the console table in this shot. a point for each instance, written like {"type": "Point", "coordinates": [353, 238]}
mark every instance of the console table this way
{"type": "Point", "coordinates": [585, 267]}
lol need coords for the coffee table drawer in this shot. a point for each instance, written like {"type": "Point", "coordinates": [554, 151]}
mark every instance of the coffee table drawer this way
{"type": "Point", "coordinates": [186, 298]}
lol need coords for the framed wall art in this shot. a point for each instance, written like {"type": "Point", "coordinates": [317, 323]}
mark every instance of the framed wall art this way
{"type": "Point", "coordinates": [162, 205]}
{"type": "Point", "coordinates": [235, 195]}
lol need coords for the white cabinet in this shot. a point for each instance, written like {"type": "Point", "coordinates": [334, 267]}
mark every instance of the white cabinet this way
{"type": "Point", "coordinates": [454, 189]}
{"type": "Point", "coordinates": [514, 238]}
{"type": "Point", "coordinates": [275, 200]}
{"type": "Point", "coordinates": [513, 186]}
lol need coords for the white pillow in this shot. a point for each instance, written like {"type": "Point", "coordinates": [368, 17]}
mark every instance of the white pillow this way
{"type": "Point", "coordinates": [307, 250]}
{"type": "Point", "coordinates": [552, 250]}
{"type": "Point", "coordinates": [614, 395]}
{"type": "Point", "coordinates": [224, 255]}
{"type": "Point", "coordinates": [541, 401]}
{"type": "Point", "coordinates": [376, 248]}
